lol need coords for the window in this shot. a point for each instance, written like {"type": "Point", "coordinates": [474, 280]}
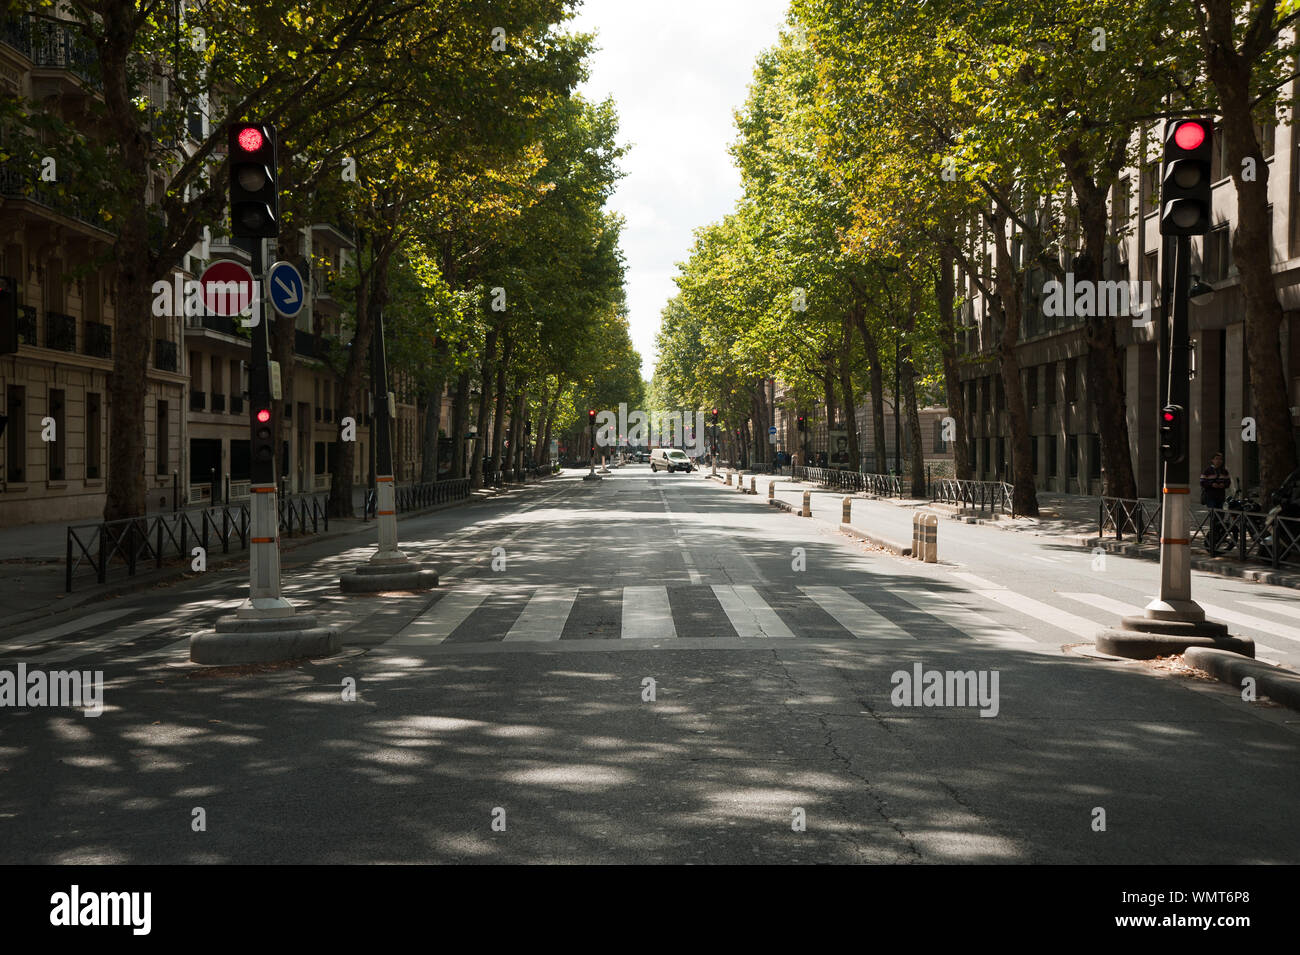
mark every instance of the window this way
{"type": "Point", "coordinates": [1002, 457]}
{"type": "Point", "coordinates": [1267, 135]}
{"type": "Point", "coordinates": [55, 451]}
{"type": "Point", "coordinates": [1120, 208]}
{"type": "Point", "coordinates": [1033, 453]}
{"type": "Point", "coordinates": [94, 435]}
{"type": "Point", "coordinates": [1094, 456]}
{"type": "Point", "coordinates": [1051, 456]}
{"type": "Point", "coordinates": [162, 439]}
{"type": "Point", "coordinates": [1031, 387]}
{"type": "Point", "coordinates": [1150, 186]}
{"type": "Point", "coordinates": [15, 434]}
{"type": "Point", "coordinates": [1072, 454]}
{"type": "Point", "coordinates": [1000, 393]}
{"type": "Point", "coordinates": [1151, 274]}
{"type": "Point", "coordinates": [1049, 384]}
{"type": "Point", "coordinates": [1218, 254]}
{"type": "Point", "coordinates": [1071, 381]}
{"type": "Point", "coordinates": [939, 445]}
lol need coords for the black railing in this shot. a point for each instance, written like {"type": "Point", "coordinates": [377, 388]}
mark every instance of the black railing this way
{"type": "Point", "coordinates": [236, 404]}
{"type": "Point", "coordinates": [27, 324]}
{"type": "Point", "coordinates": [198, 400]}
{"type": "Point", "coordinates": [990, 496]}
{"type": "Point", "coordinates": [128, 544]}
{"type": "Point", "coordinates": [220, 323]}
{"type": "Point", "coordinates": [20, 183]}
{"type": "Point", "coordinates": [218, 403]}
{"type": "Point", "coordinates": [1247, 536]}
{"type": "Point", "coordinates": [164, 355]}
{"type": "Point", "coordinates": [881, 485]}
{"type": "Point", "coordinates": [413, 497]}
{"type": "Point", "coordinates": [60, 331]}
{"type": "Point", "coordinates": [52, 44]}
{"type": "Point", "coordinates": [98, 340]}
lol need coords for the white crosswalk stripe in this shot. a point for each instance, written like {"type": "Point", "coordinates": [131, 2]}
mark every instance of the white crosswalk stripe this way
{"type": "Point", "coordinates": [1044, 613]}
{"type": "Point", "coordinates": [436, 624]}
{"type": "Point", "coordinates": [647, 614]}
{"type": "Point", "coordinates": [968, 621]}
{"type": "Point", "coordinates": [1273, 606]}
{"type": "Point", "coordinates": [1226, 615]}
{"type": "Point", "coordinates": [855, 616]}
{"type": "Point", "coordinates": [117, 638]}
{"type": "Point", "coordinates": [1102, 602]}
{"type": "Point", "coordinates": [748, 613]}
{"type": "Point", "coordinates": [546, 614]}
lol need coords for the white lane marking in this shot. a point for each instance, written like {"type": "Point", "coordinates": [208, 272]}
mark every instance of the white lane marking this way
{"type": "Point", "coordinates": [647, 614]}
{"type": "Point", "coordinates": [1247, 620]}
{"type": "Point", "coordinates": [968, 621]}
{"type": "Point", "coordinates": [749, 613]}
{"type": "Point", "coordinates": [978, 582]}
{"type": "Point", "coordinates": [855, 616]}
{"type": "Point", "coordinates": [436, 624]}
{"type": "Point", "coordinates": [546, 614]}
{"type": "Point", "coordinates": [72, 626]}
{"type": "Point", "coordinates": [119, 637]}
{"type": "Point", "coordinates": [1272, 606]}
{"type": "Point", "coordinates": [1046, 560]}
{"type": "Point", "coordinates": [1044, 613]}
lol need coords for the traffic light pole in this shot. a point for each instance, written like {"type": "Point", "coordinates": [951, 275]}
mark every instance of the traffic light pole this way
{"type": "Point", "coordinates": [1175, 599]}
{"type": "Point", "coordinates": [388, 568]}
{"type": "Point", "coordinates": [264, 599]}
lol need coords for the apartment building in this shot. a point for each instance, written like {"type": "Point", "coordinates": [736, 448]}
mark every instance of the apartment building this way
{"type": "Point", "coordinates": [1065, 439]}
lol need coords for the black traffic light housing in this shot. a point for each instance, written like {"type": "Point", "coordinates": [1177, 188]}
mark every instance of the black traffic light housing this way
{"type": "Point", "coordinates": [263, 447]}
{"type": "Point", "coordinates": [1185, 200]}
{"type": "Point", "coordinates": [254, 194]}
{"type": "Point", "coordinates": [1173, 426]}
{"type": "Point", "coordinates": [8, 315]}
{"type": "Point", "coordinates": [802, 423]}
{"type": "Point", "coordinates": [715, 415]}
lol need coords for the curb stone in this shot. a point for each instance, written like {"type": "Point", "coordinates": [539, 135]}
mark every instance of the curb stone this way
{"type": "Point", "coordinates": [1278, 684]}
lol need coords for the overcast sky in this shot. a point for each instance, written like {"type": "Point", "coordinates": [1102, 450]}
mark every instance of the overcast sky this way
{"type": "Point", "coordinates": [676, 69]}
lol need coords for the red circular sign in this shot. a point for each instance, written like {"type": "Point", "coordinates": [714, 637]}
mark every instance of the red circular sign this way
{"type": "Point", "coordinates": [227, 288]}
{"type": "Point", "coordinates": [1189, 135]}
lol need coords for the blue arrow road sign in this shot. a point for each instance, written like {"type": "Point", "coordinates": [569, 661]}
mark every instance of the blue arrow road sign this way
{"type": "Point", "coordinates": [286, 289]}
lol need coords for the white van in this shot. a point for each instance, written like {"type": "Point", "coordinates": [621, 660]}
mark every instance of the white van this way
{"type": "Point", "coordinates": [670, 459]}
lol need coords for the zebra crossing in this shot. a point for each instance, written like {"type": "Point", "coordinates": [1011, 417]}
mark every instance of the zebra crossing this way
{"type": "Point", "coordinates": [696, 613]}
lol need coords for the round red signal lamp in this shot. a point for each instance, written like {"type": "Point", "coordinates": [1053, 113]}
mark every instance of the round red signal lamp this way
{"type": "Point", "coordinates": [264, 415]}
{"type": "Point", "coordinates": [1169, 417]}
{"type": "Point", "coordinates": [250, 139]}
{"type": "Point", "coordinates": [1189, 135]}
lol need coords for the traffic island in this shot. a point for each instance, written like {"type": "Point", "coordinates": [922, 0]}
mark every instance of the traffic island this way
{"type": "Point", "coordinates": [1279, 685]}
{"type": "Point", "coordinates": [263, 640]}
{"type": "Point", "coordinates": [376, 577]}
{"type": "Point", "coordinates": [1145, 638]}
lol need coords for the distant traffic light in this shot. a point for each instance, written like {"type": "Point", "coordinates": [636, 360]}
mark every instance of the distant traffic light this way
{"type": "Point", "coordinates": [254, 195]}
{"type": "Point", "coordinates": [802, 423]}
{"type": "Point", "coordinates": [1185, 200]}
{"type": "Point", "coordinates": [1173, 427]}
{"type": "Point", "coordinates": [263, 449]}
{"type": "Point", "coordinates": [715, 416]}
{"type": "Point", "coordinates": [8, 315]}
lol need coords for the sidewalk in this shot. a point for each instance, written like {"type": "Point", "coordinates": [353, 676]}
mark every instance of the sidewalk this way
{"type": "Point", "coordinates": [1069, 519]}
{"type": "Point", "coordinates": [32, 562]}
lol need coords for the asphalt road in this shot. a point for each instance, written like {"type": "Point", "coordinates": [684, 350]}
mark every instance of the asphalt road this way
{"type": "Point", "coordinates": [507, 717]}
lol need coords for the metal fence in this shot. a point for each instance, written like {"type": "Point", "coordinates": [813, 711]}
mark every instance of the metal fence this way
{"type": "Point", "coordinates": [1248, 536]}
{"type": "Point", "coordinates": [881, 485]}
{"type": "Point", "coordinates": [990, 496]}
{"type": "Point", "coordinates": [413, 497]}
{"type": "Point", "coordinates": [135, 541]}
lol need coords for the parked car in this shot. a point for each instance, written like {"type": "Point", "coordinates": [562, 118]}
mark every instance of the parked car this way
{"type": "Point", "coordinates": [670, 459]}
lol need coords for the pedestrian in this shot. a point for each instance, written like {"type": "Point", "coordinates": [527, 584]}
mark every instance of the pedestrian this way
{"type": "Point", "coordinates": [1214, 482]}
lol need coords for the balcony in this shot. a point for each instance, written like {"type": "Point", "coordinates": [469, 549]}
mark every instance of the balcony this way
{"type": "Point", "coordinates": [217, 323]}
{"type": "Point", "coordinates": [218, 403]}
{"type": "Point", "coordinates": [164, 355]}
{"type": "Point", "coordinates": [27, 324]}
{"type": "Point", "coordinates": [236, 404]}
{"type": "Point", "coordinates": [60, 331]}
{"type": "Point", "coordinates": [198, 401]}
{"type": "Point", "coordinates": [52, 44]}
{"type": "Point", "coordinates": [306, 344]}
{"type": "Point", "coordinates": [98, 340]}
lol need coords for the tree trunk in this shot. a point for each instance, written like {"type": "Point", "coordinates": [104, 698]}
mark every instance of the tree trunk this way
{"type": "Point", "coordinates": [429, 444]}
{"type": "Point", "coordinates": [502, 397]}
{"type": "Point", "coordinates": [846, 386]}
{"type": "Point", "coordinates": [1024, 494]}
{"type": "Point", "coordinates": [486, 376]}
{"type": "Point", "coordinates": [459, 422]}
{"type": "Point", "coordinates": [877, 375]}
{"type": "Point", "coordinates": [1230, 72]}
{"type": "Point", "coordinates": [945, 295]}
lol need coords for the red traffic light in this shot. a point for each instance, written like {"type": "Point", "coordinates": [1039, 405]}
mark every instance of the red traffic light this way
{"type": "Point", "coordinates": [263, 415]}
{"type": "Point", "coordinates": [1189, 135]}
{"type": "Point", "coordinates": [250, 139]}
{"type": "Point", "coordinates": [1169, 417]}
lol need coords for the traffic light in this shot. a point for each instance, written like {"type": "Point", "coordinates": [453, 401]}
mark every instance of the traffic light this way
{"type": "Point", "coordinates": [591, 417]}
{"type": "Point", "coordinates": [1185, 200]}
{"type": "Point", "coordinates": [1172, 429]}
{"type": "Point", "coordinates": [715, 416]}
{"type": "Point", "coordinates": [802, 423]}
{"type": "Point", "coordinates": [254, 195]}
{"type": "Point", "coordinates": [8, 315]}
{"type": "Point", "coordinates": [263, 464]}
